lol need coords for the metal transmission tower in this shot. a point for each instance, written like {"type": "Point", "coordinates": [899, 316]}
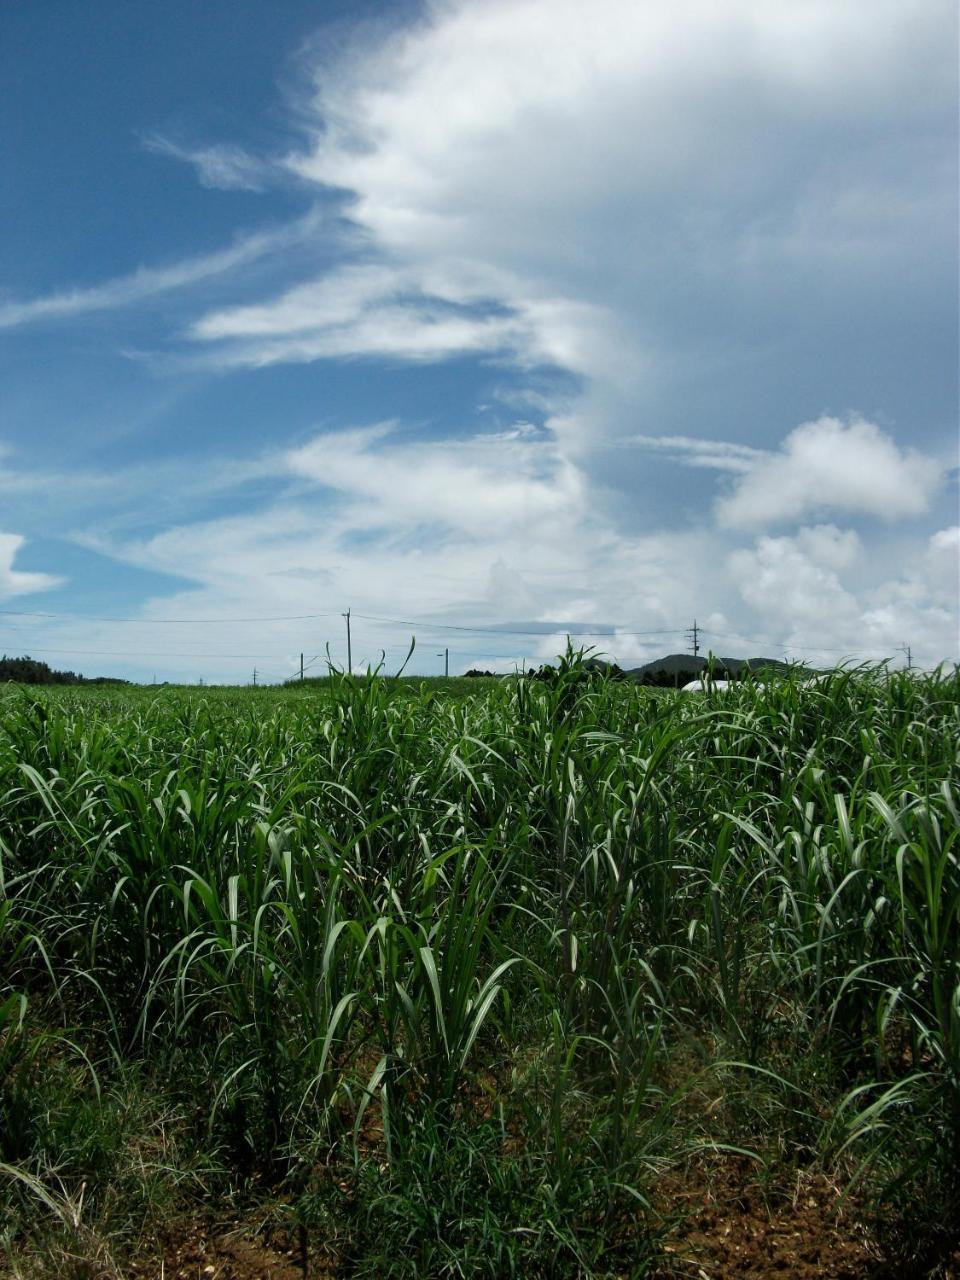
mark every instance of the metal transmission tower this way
{"type": "Point", "coordinates": [693, 634]}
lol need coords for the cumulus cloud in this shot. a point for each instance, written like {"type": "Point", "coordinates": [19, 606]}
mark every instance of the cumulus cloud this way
{"type": "Point", "coordinates": [431, 128]}
{"type": "Point", "coordinates": [805, 590]}
{"type": "Point", "coordinates": [943, 555]}
{"type": "Point", "coordinates": [16, 582]}
{"type": "Point", "coordinates": [795, 583]}
{"type": "Point", "coordinates": [483, 154]}
{"type": "Point", "coordinates": [828, 546]}
{"type": "Point", "coordinates": [830, 464]}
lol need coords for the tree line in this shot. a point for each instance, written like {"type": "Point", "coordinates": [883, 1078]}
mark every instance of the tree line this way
{"type": "Point", "coordinates": [28, 670]}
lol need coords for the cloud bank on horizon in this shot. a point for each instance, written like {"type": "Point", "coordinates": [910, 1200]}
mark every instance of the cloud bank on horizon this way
{"type": "Point", "coordinates": [527, 315]}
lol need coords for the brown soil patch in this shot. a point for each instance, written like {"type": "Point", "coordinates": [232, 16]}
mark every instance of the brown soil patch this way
{"type": "Point", "coordinates": [730, 1227]}
{"type": "Point", "coordinates": [197, 1252]}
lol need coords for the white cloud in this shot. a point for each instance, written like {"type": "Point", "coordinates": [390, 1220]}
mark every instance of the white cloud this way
{"type": "Point", "coordinates": [16, 582]}
{"type": "Point", "coordinates": [803, 596]}
{"type": "Point", "coordinates": [794, 583]}
{"type": "Point", "coordinates": [922, 605]}
{"type": "Point", "coordinates": [693, 451]}
{"type": "Point", "coordinates": [943, 558]}
{"type": "Point", "coordinates": [532, 179]}
{"type": "Point", "coordinates": [489, 529]}
{"type": "Point", "coordinates": [803, 589]}
{"type": "Point", "coordinates": [832, 465]}
{"type": "Point", "coordinates": [399, 313]}
{"type": "Point", "coordinates": [148, 282]}
{"type": "Point", "coordinates": [828, 546]}
{"type": "Point", "coordinates": [223, 166]}
{"type": "Point", "coordinates": [494, 134]}
{"type": "Point", "coordinates": [502, 482]}
{"type": "Point", "coordinates": [493, 529]}
{"type": "Point", "coordinates": [618, 189]}
{"type": "Point", "coordinates": [479, 99]}
{"type": "Point", "coordinates": [487, 158]}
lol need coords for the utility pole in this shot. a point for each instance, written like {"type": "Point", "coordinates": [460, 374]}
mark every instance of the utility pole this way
{"type": "Point", "coordinates": [254, 677]}
{"type": "Point", "coordinates": [446, 661]}
{"type": "Point", "coordinates": [905, 648]}
{"type": "Point", "coordinates": [301, 666]}
{"type": "Point", "coordinates": [349, 650]}
{"type": "Point", "coordinates": [693, 632]}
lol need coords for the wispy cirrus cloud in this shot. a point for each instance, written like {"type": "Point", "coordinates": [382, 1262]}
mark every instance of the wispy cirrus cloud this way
{"type": "Point", "coordinates": [403, 313]}
{"type": "Point", "coordinates": [148, 282]}
{"type": "Point", "coordinates": [694, 451]}
{"type": "Point", "coordinates": [222, 166]}
{"type": "Point", "coordinates": [510, 482]}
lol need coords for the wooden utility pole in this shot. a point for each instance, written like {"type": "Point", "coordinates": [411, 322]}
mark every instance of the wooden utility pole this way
{"type": "Point", "coordinates": [349, 650]}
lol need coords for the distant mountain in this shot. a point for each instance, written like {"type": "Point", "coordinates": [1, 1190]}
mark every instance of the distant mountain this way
{"type": "Point", "coordinates": [680, 667]}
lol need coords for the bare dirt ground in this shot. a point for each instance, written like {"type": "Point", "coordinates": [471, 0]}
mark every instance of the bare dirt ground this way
{"type": "Point", "coordinates": [193, 1251]}
{"type": "Point", "coordinates": [726, 1226]}
{"type": "Point", "coordinates": [730, 1228]}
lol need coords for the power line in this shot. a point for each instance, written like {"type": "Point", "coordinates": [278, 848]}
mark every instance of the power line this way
{"type": "Point", "coordinates": [491, 632]}
{"type": "Point", "coordinates": [91, 617]}
{"type": "Point", "coordinates": [559, 629]}
{"type": "Point", "coordinates": [142, 653]}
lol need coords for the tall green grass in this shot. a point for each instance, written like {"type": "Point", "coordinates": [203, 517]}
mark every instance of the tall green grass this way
{"type": "Point", "coordinates": [451, 975]}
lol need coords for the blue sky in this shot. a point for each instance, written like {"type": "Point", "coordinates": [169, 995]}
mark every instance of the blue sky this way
{"type": "Point", "coordinates": [485, 319]}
